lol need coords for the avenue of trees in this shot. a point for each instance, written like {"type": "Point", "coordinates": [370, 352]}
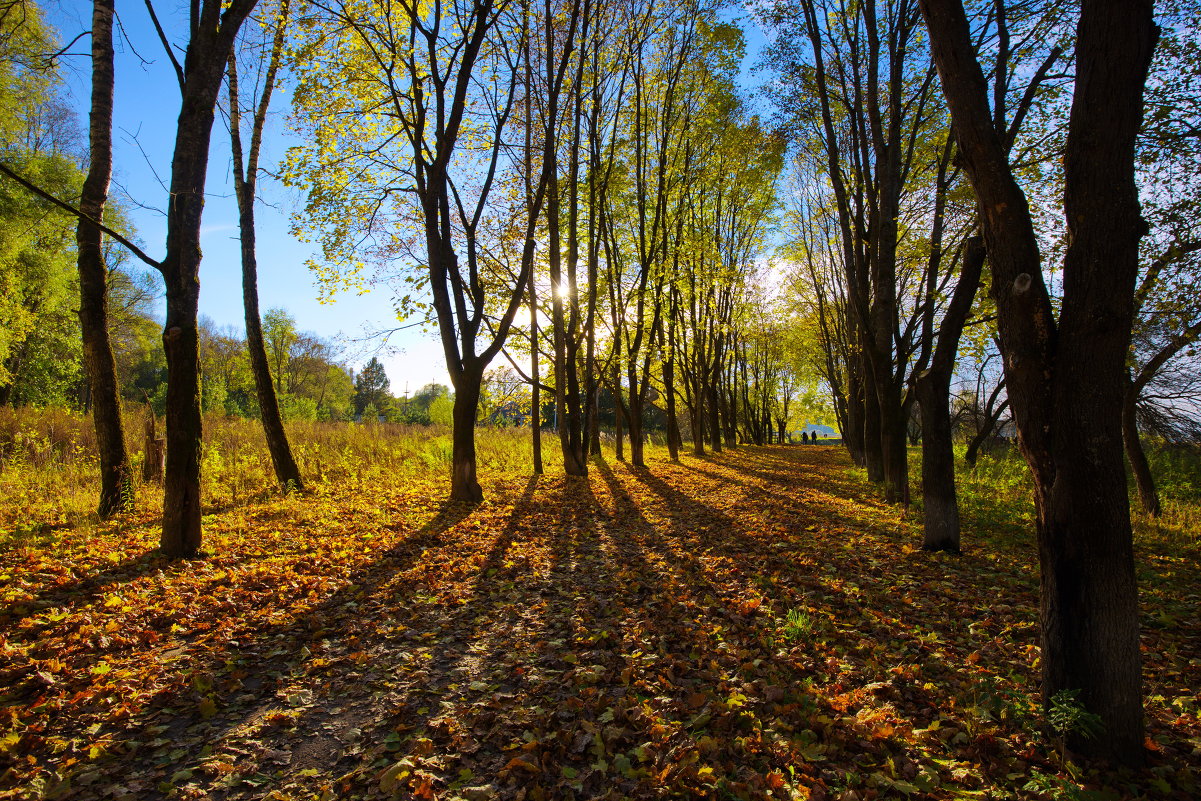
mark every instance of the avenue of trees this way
{"type": "Point", "coordinates": [1045, 154]}
{"type": "Point", "coordinates": [982, 209]}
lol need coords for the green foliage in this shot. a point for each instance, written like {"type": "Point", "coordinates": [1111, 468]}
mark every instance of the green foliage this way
{"type": "Point", "coordinates": [297, 407]}
{"type": "Point", "coordinates": [1068, 716]}
{"type": "Point", "coordinates": [441, 411]}
{"type": "Point", "coordinates": [797, 624]}
{"type": "Point", "coordinates": [371, 388]}
{"type": "Point", "coordinates": [37, 279]}
{"type": "Point", "coordinates": [1177, 469]}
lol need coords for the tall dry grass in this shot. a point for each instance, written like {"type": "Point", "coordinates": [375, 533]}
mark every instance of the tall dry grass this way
{"type": "Point", "coordinates": [49, 474]}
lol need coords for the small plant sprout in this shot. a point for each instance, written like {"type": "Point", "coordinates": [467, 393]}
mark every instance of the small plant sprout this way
{"type": "Point", "coordinates": [797, 623]}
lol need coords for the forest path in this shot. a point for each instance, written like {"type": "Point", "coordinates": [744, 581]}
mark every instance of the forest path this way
{"type": "Point", "coordinates": [754, 624]}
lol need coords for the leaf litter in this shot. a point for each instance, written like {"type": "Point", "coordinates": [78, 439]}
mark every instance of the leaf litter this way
{"type": "Point", "coordinates": [750, 625]}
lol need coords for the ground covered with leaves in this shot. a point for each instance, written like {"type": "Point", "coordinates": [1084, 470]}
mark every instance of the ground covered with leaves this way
{"type": "Point", "coordinates": [751, 625]}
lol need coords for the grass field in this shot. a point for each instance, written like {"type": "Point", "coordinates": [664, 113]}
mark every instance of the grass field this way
{"type": "Point", "coordinates": [754, 624]}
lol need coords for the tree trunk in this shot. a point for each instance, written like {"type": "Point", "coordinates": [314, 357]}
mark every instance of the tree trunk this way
{"type": "Point", "coordinates": [714, 404]}
{"type": "Point", "coordinates": [673, 425]}
{"type": "Point", "coordinates": [940, 506]}
{"type": "Point", "coordinates": [287, 472]}
{"type": "Point", "coordinates": [893, 448]}
{"type": "Point", "coordinates": [990, 422]}
{"type": "Point", "coordinates": [618, 404]}
{"type": "Point", "coordinates": [852, 436]}
{"type": "Point", "coordinates": [933, 387]}
{"type": "Point", "coordinates": [464, 487]}
{"type": "Point", "coordinates": [634, 420]}
{"type": "Point", "coordinates": [535, 387]}
{"type": "Point", "coordinates": [1066, 381]}
{"type": "Point", "coordinates": [873, 452]}
{"type": "Point", "coordinates": [208, 50]}
{"type": "Point", "coordinates": [154, 451]}
{"type": "Point", "coordinates": [116, 475]}
{"type": "Point", "coordinates": [1137, 457]}
{"type": "Point", "coordinates": [181, 535]}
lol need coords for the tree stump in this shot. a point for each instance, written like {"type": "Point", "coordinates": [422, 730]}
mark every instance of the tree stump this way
{"type": "Point", "coordinates": [155, 451]}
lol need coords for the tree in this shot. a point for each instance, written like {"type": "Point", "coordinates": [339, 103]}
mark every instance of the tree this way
{"type": "Point", "coordinates": [865, 66]}
{"type": "Point", "coordinates": [412, 116]}
{"type": "Point", "coordinates": [246, 171]}
{"type": "Point", "coordinates": [279, 336]}
{"type": "Point", "coordinates": [213, 26]}
{"type": "Point", "coordinates": [1066, 377]}
{"type": "Point", "coordinates": [940, 513]}
{"type": "Point", "coordinates": [1167, 310]}
{"type": "Point", "coordinates": [116, 475]}
{"type": "Point", "coordinates": [371, 387]}
{"type": "Point", "coordinates": [39, 339]}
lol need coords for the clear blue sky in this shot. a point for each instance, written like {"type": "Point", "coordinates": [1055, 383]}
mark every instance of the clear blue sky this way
{"type": "Point", "coordinates": [147, 104]}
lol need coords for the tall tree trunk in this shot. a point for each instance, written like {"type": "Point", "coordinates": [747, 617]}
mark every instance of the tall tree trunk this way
{"type": "Point", "coordinates": [941, 530]}
{"type": "Point", "coordinates": [713, 402]}
{"type": "Point", "coordinates": [214, 30]}
{"type": "Point", "coordinates": [634, 419]}
{"type": "Point", "coordinates": [1066, 381]}
{"type": "Point", "coordinates": [116, 475]}
{"type": "Point", "coordinates": [893, 445]}
{"type": "Point", "coordinates": [873, 452]}
{"type": "Point", "coordinates": [618, 413]}
{"type": "Point", "coordinates": [287, 472]}
{"type": "Point", "coordinates": [1137, 458]}
{"type": "Point", "coordinates": [535, 385]}
{"type": "Point", "coordinates": [673, 424]}
{"type": "Point", "coordinates": [852, 436]}
{"type": "Point", "coordinates": [573, 432]}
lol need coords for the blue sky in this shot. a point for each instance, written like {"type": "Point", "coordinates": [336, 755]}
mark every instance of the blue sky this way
{"type": "Point", "coordinates": [147, 104]}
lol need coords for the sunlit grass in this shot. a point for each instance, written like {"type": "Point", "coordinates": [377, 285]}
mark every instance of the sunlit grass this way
{"type": "Point", "coordinates": [49, 472]}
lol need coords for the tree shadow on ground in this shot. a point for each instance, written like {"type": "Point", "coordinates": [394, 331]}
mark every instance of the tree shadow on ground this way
{"type": "Point", "coordinates": [689, 630]}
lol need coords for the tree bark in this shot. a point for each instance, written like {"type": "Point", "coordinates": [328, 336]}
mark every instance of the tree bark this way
{"type": "Point", "coordinates": [201, 76]}
{"type": "Point", "coordinates": [941, 529]}
{"type": "Point", "coordinates": [287, 471]}
{"type": "Point", "coordinates": [873, 453]}
{"type": "Point", "coordinates": [618, 413]}
{"type": "Point", "coordinates": [116, 475]}
{"type": "Point", "coordinates": [535, 383]}
{"type": "Point", "coordinates": [464, 487]}
{"type": "Point", "coordinates": [1137, 458]}
{"type": "Point", "coordinates": [1066, 382]}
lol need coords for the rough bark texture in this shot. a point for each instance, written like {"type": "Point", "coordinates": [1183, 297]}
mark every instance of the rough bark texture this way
{"type": "Point", "coordinates": [873, 454]}
{"type": "Point", "coordinates": [1066, 382]}
{"type": "Point", "coordinates": [464, 487]}
{"type": "Point", "coordinates": [535, 385]}
{"type": "Point", "coordinates": [202, 73]}
{"type": "Point", "coordinates": [940, 505]}
{"type": "Point", "coordinates": [116, 475]}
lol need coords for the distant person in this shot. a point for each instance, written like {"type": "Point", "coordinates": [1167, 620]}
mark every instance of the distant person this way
{"type": "Point", "coordinates": [805, 437]}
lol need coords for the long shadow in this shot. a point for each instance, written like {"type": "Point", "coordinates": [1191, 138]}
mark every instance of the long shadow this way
{"type": "Point", "coordinates": [217, 687]}
{"type": "Point", "coordinates": [85, 589]}
{"type": "Point", "coordinates": [887, 564]}
{"type": "Point", "coordinates": [582, 629]}
{"type": "Point", "coordinates": [753, 560]}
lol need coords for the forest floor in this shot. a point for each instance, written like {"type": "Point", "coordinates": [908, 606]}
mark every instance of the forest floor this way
{"type": "Point", "coordinates": [754, 624]}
